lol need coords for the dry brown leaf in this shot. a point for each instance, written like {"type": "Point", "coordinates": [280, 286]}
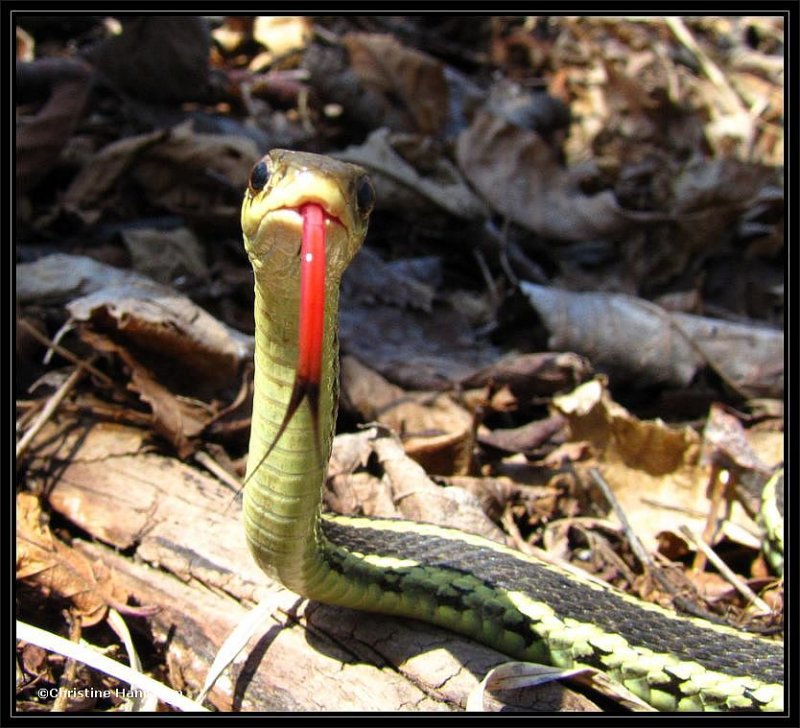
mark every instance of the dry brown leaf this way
{"type": "Point", "coordinates": [420, 499]}
{"type": "Point", "coordinates": [153, 317]}
{"type": "Point", "coordinates": [410, 175]}
{"type": "Point", "coordinates": [40, 138]}
{"type": "Point", "coordinates": [709, 195]}
{"type": "Point", "coordinates": [395, 327]}
{"type": "Point", "coordinates": [633, 339]}
{"type": "Point", "coordinates": [404, 490]}
{"type": "Point", "coordinates": [654, 470]}
{"type": "Point", "coordinates": [60, 278]}
{"type": "Point", "coordinates": [350, 489]}
{"type": "Point", "coordinates": [45, 562]}
{"type": "Point", "coordinates": [525, 439]}
{"type": "Point", "coordinates": [189, 174]}
{"type": "Point", "coordinates": [725, 442]}
{"type": "Point", "coordinates": [360, 493]}
{"type": "Point", "coordinates": [436, 431]}
{"type": "Point", "coordinates": [160, 60]}
{"type": "Point", "coordinates": [157, 319]}
{"type": "Point", "coordinates": [282, 34]}
{"type": "Point", "coordinates": [519, 174]}
{"type": "Point", "coordinates": [365, 391]}
{"type": "Point", "coordinates": [164, 255]}
{"type": "Point", "coordinates": [532, 375]}
{"type": "Point", "coordinates": [369, 280]}
{"type": "Point", "coordinates": [652, 447]}
{"type": "Point", "coordinates": [401, 73]}
{"type": "Point", "coordinates": [176, 419]}
{"type": "Point", "coordinates": [726, 446]}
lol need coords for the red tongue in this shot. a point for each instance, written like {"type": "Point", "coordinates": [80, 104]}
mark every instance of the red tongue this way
{"type": "Point", "coordinates": [312, 315]}
{"type": "Point", "coordinates": [312, 294]}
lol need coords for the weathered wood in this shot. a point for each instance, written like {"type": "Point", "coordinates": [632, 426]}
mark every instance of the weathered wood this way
{"type": "Point", "coordinates": [190, 560]}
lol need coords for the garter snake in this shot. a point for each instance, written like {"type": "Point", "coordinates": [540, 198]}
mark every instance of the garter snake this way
{"type": "Point", "coordinates": [304, 218]}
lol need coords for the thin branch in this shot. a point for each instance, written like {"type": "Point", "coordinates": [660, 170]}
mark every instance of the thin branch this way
{"type": "Point", "coordinates": [723, 569]}
{"type": "Point", "coordinates": [49, 409]}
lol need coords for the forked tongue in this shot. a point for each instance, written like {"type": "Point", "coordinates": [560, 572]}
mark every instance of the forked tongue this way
{"type": "Point", "coordinates": [310, 329]}
{"type": "Point", "coordinates": [312, 295]}
{"type": "Point", "coordinates": [312, 315]}
{"type": "Point", "coordinates": [308, 376]}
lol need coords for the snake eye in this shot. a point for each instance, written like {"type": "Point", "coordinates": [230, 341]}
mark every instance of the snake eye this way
{"type": "Point", "coordinates": [259, 176]}
{"type": "Point", "coordinates": [365, 196]}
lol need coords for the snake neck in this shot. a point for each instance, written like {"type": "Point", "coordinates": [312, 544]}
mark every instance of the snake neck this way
{"type": "Point", "coordinates": [283, 490]}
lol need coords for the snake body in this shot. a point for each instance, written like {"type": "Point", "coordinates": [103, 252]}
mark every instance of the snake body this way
{"type": "Point", "coordinates": [522, 606]}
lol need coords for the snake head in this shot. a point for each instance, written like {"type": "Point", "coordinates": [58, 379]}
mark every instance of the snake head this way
{"type": "Point", "coordinates": [304, 218]}
{"type": "Point", "coordinates": [280, 184]}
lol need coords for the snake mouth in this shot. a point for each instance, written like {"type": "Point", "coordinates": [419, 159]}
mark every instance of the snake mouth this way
{"type": "Point", "coordinates": [329, 216]}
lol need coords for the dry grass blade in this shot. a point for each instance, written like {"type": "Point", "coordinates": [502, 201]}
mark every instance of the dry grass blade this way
{"type": "Point", "coordinates": [89, 657]}
{"type": "Point", "coordinates": [148, 702]}
{"type": "Point", "coordinates": [511, 675]}
{"type": "Point", "coordinates": [235, 642]}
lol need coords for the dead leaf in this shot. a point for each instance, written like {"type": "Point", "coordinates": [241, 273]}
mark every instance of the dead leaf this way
{"type": "Point", "coordinates": [520, 176]}
{"type": "Point", "coordinates": [332, 77]}
{"type": "Point", "coordinates": [653, 469]}
{"type": "Point", "coordinates": [709, 195]}
{"type": "Point", "coordinates": [47, 563]}
{"type": "Point", "coordinates": [725, 442]}
{"type": "Point", "coordinates": [165, 255]}
{"type": "Point", "coordinates": [420, 499]}
{"type": "Point", "coordinates": [369, 279]}
{"type": "Point", "coordinates": [350, 488]}
{"type": "Point", "coordinates": [190, 174]}
{"type": "Point", "coordinates": [152, 317]}
{"type": "Point", "coordinates": [436, 432]}
{"type": "Point", "coordinates": [177, 420]}
{"type": "Point", "coordinates": [525, 439]}
{"type": "Point", "coordinates": [532, 375]}
{"type": "Point", "coordinates": [282, 34]}
{"type": "Point", "coordinates": [633, 339]}
{"type": "Point", "coordinates": [40, 138]}
{"type": "Point", "coordinates": [407, 80]}
{"type": "Point", "coordinates": [160, 60]}
{"type": "Point", "coordinates": [409, 175]}
{"type": "Point", "coordinates": [60, 278]}
{"type": "Point", "coordinates": [381, 323]}
{"type": "Point", "coordinates": [726, 446]}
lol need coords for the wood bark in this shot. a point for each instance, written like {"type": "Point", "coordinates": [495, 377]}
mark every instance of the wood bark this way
{"type": "Point", "coordinates": [171, 534]}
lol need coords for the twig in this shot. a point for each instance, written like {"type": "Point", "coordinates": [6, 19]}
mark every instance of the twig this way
{"type": "Point", "coordinates": [49, 408]}
{"type": "Point", "coordinates": [67, 681]}
{"type": "Point", "coordinates": [709, 68]}
{"type": "Point", "coordinates": [718, 485]}
{"type": "Point", "coordinates": [724, 569]}
{"type": "Point", "coordinates": [214, 467]}
{"type": "Point", "coordinates": [487, 275]}
{"type": "Point", "coordinates": [66, 353]}
{"type": "Point", "coordinates": [636, 545]}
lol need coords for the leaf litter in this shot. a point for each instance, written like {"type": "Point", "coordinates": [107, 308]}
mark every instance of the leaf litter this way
{"type": "Point", "coordinates": [576, 262]}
